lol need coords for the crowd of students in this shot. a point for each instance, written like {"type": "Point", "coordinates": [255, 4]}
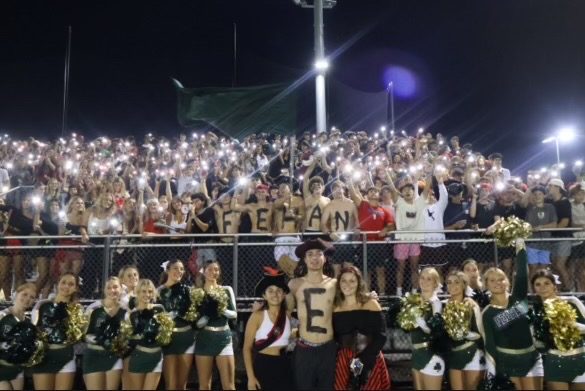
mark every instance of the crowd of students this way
{"type": "Point", "coordinates": [333, 184]}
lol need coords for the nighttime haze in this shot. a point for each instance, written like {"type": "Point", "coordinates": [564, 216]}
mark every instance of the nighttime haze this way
{"type": "Point", "coordinates": [502, 75]}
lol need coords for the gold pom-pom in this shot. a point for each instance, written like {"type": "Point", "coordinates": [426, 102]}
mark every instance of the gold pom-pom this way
{"type": "Point", "coordinates": [457, 316]}
{"type": "Point", "coordinates": [76, 323]}
{"type": "Point", "coordinates": [165, 328]}
{"type": "Point", "coordinates": [120, 345]}
{"type": "Point", "coordinates": [562, 318]}
{"type": "Point", "coordinates": [506, 231]}
{"type": "Point", "coordinates": [39, 354]}
{"type": "Point", "coordinates": [196, 295]}
{"type": "Point", "coordinates": [221, 297]}
{"type": "Point", "coordinates": [413, 307]}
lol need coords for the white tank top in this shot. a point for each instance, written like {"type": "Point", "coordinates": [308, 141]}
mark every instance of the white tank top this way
{"type": "Point", "coordinates": [267, 325]}
{"type": "Point", "coordinates": [97, 226]}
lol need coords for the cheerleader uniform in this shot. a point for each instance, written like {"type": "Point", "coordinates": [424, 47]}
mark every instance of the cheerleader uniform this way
{"type": "Point", "coordinates": [128, 302]}
{"type": "Point", "coordinates": [467, 354]}
{"type": "Point", "coordinates": [96, 358]}
{"type": "Point", "coordinates": [8, 371]}
{"type": "Point", "coordinates": [49, 318]}
{"type": "Point", "coordinates": [147, 354]}
{"type": "Point", "coordinates": [347, 326]}
{"type": "Point", "coordinates": [176, 301]}
{"type": "Point", "coordinates": [563, 366]}
{"type": "Point", "coordinates": [215, 339]}
{"type": "Point", "coordinates": [424, 357]}
{"type": "Point", "coordinates": [273, 372]}
{"type": "Point", "coordinates": [509, 346]}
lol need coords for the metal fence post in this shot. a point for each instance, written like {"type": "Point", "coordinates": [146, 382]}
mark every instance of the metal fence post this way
{"type": "Point", "coordinates": [365, 255]}
{"type": "Point", "coordinates": [496, 254]}
{"type": "Point", "coordinates": [107, 260]}
{"type": "Point", "coordinates": [235, 267]}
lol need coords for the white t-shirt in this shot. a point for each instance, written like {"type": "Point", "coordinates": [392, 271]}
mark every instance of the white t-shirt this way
{"type": "Point", "coordinates": [433, 218]}
{"type": "Point", "coordinates": [409, 217]}
{"type": "Point", "coordinates": [189, 184]}
{"type": "Point", "coordinates": [578, 218]}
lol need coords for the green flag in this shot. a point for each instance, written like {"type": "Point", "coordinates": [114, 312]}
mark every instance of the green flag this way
{"type": "Point", "coordinates": [239, 111]}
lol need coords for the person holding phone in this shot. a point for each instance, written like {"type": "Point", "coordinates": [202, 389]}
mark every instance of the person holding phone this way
{"type": "Point", "coordinates": [456, 217]}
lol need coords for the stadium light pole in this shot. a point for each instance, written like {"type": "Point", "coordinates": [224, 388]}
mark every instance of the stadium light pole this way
{"type": "Point", "coordinates": [321, 63]}
{"type": "Point", "coordinates": [563, 135]}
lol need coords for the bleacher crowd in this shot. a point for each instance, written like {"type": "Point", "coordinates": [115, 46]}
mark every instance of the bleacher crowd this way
{"type": "Point", "coordinates": [418, 201]}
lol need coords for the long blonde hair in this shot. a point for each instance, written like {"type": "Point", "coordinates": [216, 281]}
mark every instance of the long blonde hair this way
{"type": "Point", "coordinates": [494, 270]}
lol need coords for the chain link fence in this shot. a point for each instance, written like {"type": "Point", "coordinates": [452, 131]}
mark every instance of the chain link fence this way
{"type": "Point", "coordinates": [242, 258]}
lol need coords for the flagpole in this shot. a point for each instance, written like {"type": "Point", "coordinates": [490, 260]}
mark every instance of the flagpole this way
{"type": "Point", "coordinates": [66, 83]}
{"type": "Point", "coordinates": [235, 66]}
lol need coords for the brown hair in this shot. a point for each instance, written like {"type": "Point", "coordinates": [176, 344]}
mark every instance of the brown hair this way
{"type": "Point", "coordinates": [26, 285]}
{"type": "Point", "coordinates": [362, 296]}
{"type": "Point", "coordinates": [75, 296]}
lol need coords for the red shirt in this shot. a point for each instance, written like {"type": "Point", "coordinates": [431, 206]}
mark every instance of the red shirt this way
{"type": "Point", "coordinates": [373, 219]}
{"type": "Point", "coordinates": [150, 227]}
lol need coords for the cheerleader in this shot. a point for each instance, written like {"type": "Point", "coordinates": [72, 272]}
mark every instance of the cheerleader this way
{"type": "Point", "coordinates": [267, 336]}
{"type": "Point", "coordinates": [57, 370]}
{"type": "Point", "coordinates": [102, 368]}
{"type": "Point", "coordinates": [465, 357]}
{"type": "Point", "coordinates": [145, 362]}
{"type": "Point", "coordinates": [214, 339]}
{"type": "Point", "coordinates": [509, 347]}
{"type": "Point", "coordinates": [428, 366]}
{"type": "Point", "coordinates": [129, 277]}
{"type": "Point", "coordinates": [478, 293]}
{"type": "Point", "coordinates": [12, 376]}
{"type": "Point", "coordinates": [174, 296]}
{"type": "Point", "coordinates": [559, 338]}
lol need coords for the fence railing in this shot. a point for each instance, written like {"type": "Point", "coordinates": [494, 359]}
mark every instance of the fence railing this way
{"type": "Point", "coordinates": [242, 256]}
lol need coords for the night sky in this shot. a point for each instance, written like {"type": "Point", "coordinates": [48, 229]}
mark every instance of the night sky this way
{"type": "Point", "coordinates": [500, 74]}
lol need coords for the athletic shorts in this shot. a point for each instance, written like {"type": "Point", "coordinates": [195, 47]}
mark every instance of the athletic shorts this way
{"type": "Point", "coordinates": [403, 251]}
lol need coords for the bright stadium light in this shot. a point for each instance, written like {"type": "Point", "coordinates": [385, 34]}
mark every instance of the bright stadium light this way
{"type": "Point", "coordinates": [322, 65]}
{"type": "Point", "coordinates": [566, 134]}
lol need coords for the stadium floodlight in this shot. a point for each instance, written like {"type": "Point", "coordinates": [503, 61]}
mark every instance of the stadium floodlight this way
{"type": "Point", "coordinates": [566, 134]}
{"type": "Point", "coordinates": [321, 65]}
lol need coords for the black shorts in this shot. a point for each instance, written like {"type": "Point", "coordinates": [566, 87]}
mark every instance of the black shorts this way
{"type": "Point", "coordinates": [346, 253]}
{"type": "Point", "coordinates": [434, 256]}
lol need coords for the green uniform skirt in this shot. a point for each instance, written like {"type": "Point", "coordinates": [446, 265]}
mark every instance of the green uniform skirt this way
{"type": "Point", "coordinates": [563, 366]}
{"type": "Point", "coordinates": [211, 343]}
{"type": "Point", "coordinates": [9, 372]}
{"type": "Point", "coordinates": [96, 359]}
{"type": "Point", "coordinates": [182, 340]}
{"type": "Point", "coordinates": [459, 356]}
{"type": "Point", "coordinates": [516, 365]}
{"type": "Point", "coordinates": [55, 359]}
{"type": "Point", "coordinates": [145, 360]}
{"type": "Point", "coordinates": [421, 355]}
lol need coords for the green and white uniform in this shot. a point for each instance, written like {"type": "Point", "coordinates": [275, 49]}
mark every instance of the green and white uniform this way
{"type": "Point", "coordinates": [565, 366]}
{"type": "Point", "coordinates": [215, 339]}
{"type": "Point", "coordinates": [96, 358]}
{"type": "Point", "coordinates": [146, 356]}
{"type": "Point", "coordinates": [424, 358]}
{"type": "Point", "coordinates": [8, 372]}
{"type": "Point", "coordinates": [467, 355]}
{"type": "Point", "coordinates": [176, 300]}
{"type": "Point", "coordinates": [59, 357]}
{"type": "Point", "coordinates": [508, 340]}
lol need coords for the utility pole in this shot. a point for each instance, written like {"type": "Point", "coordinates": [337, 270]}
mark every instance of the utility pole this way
{"type": "Point", "coordinates": [321, 63]}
